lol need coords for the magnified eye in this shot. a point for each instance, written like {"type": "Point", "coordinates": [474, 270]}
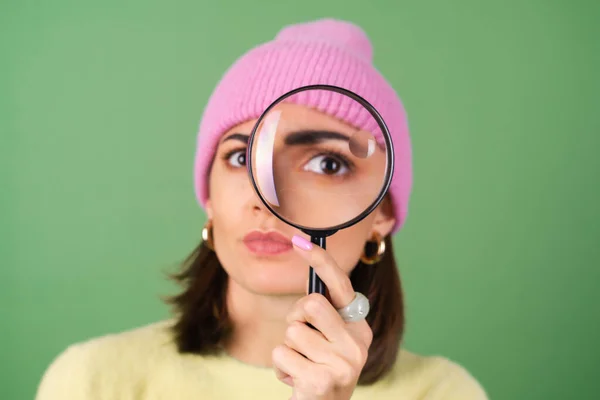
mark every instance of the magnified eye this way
{"type": "Point", "coordinates": [327, 164]}
{"type": "Point", "coordinates": [237, 158]}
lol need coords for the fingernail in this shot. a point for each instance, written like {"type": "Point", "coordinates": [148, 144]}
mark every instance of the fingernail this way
{"type": "Point", "coordinates": [302, 243]}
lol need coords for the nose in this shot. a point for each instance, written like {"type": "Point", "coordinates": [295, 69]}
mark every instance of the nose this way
{"type": "Point", "coordinates": [257, 205]}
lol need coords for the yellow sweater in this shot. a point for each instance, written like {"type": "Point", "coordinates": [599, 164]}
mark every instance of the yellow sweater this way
{"type": "Point", "coordinates": [143, 363]}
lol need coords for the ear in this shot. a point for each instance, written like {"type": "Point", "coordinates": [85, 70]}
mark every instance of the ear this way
{"type": "Point", "coordinates": [209, 209]}
{"type": "Point", "coordinates": [384, 220]}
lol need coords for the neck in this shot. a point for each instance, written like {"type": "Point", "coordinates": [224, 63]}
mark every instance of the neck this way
{"type": "Point", "coordinates": [259, 324]}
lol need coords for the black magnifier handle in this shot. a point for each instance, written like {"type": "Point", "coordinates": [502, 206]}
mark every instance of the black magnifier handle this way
{"type": "Point", "coordinates": [315, 284]}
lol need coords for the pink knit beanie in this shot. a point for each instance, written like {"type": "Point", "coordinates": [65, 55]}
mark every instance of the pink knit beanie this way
{"type": "Point", "coordinates": [325, 51]}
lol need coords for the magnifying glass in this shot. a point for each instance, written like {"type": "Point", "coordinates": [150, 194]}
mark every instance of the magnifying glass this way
{"type": "Point", "coordinates": [313, 169]}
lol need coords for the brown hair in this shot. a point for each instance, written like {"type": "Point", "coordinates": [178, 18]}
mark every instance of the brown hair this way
{"type": "Point", "coordinates": [202, 320]}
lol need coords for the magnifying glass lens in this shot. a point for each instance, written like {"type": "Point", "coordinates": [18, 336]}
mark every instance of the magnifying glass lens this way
{"type": "Point", "coordinates": [314, 168]}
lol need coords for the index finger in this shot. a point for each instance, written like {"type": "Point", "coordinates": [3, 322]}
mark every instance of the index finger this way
{"type": "Point", "coordinates": [337, 282]}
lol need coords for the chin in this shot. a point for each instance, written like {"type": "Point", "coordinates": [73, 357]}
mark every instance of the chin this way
{"type": "Point", "coordinates": [275, 280]}
{"type": "Point", "coordinates": [266, 274]}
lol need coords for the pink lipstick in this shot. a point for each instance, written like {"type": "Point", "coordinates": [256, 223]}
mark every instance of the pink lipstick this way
{"type": "Point", "coordinates": [267, 243]}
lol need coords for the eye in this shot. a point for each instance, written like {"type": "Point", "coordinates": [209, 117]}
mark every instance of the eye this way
{"type": "Point", "coordinates": [327, 165]}
{"type": "Point", "coordinates": [237, 158]}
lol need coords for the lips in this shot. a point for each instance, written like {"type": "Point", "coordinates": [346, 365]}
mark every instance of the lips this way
{"type": "Point", "coordinates": [267, 243]}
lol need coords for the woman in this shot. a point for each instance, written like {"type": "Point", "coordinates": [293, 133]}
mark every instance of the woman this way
{"type": "Point", "coordinates": [240, 328]}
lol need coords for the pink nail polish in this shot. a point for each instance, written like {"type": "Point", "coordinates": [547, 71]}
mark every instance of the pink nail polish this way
{"type": "Point", "coordinates": [301, 243]}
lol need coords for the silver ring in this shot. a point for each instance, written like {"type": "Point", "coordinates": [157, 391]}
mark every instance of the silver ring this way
{"type": "Point", "coordinates": [357, 310]}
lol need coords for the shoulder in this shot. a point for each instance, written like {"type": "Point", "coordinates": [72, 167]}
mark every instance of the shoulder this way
{"type": "Point", "coordinates": [436, 377]}
{"type": "Point", "coordinates": [107, 361]}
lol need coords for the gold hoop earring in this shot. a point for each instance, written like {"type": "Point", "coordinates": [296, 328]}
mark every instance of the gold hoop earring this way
{"type": "Point", "coordinates": [207, 235]}
{"type": "Point", "coordinates": [374, 259]}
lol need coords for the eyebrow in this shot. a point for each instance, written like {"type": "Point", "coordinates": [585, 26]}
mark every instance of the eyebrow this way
{"type": "Point", "coordinates": [237, 136]}
{"type": "Point", "coordinates": [313, 136]}
{"type": "Point", "coordinates": [305, 137]}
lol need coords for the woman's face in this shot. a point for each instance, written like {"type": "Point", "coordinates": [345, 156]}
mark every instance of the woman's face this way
{"type": "Point", "coordinates": [252, 244]}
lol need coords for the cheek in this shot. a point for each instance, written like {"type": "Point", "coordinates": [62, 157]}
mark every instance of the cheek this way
{"type": "Point", "coordinates": [346, 246]}
{"type": "Point", "coordinates": [228, 191]}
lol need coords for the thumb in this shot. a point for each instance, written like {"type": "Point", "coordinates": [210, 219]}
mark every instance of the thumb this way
{"type": "Point", "coordinates": [283, 377]}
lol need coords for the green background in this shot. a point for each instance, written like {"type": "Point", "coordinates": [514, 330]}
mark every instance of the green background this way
{"type": "Point", "coordinates": [500, 258]}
